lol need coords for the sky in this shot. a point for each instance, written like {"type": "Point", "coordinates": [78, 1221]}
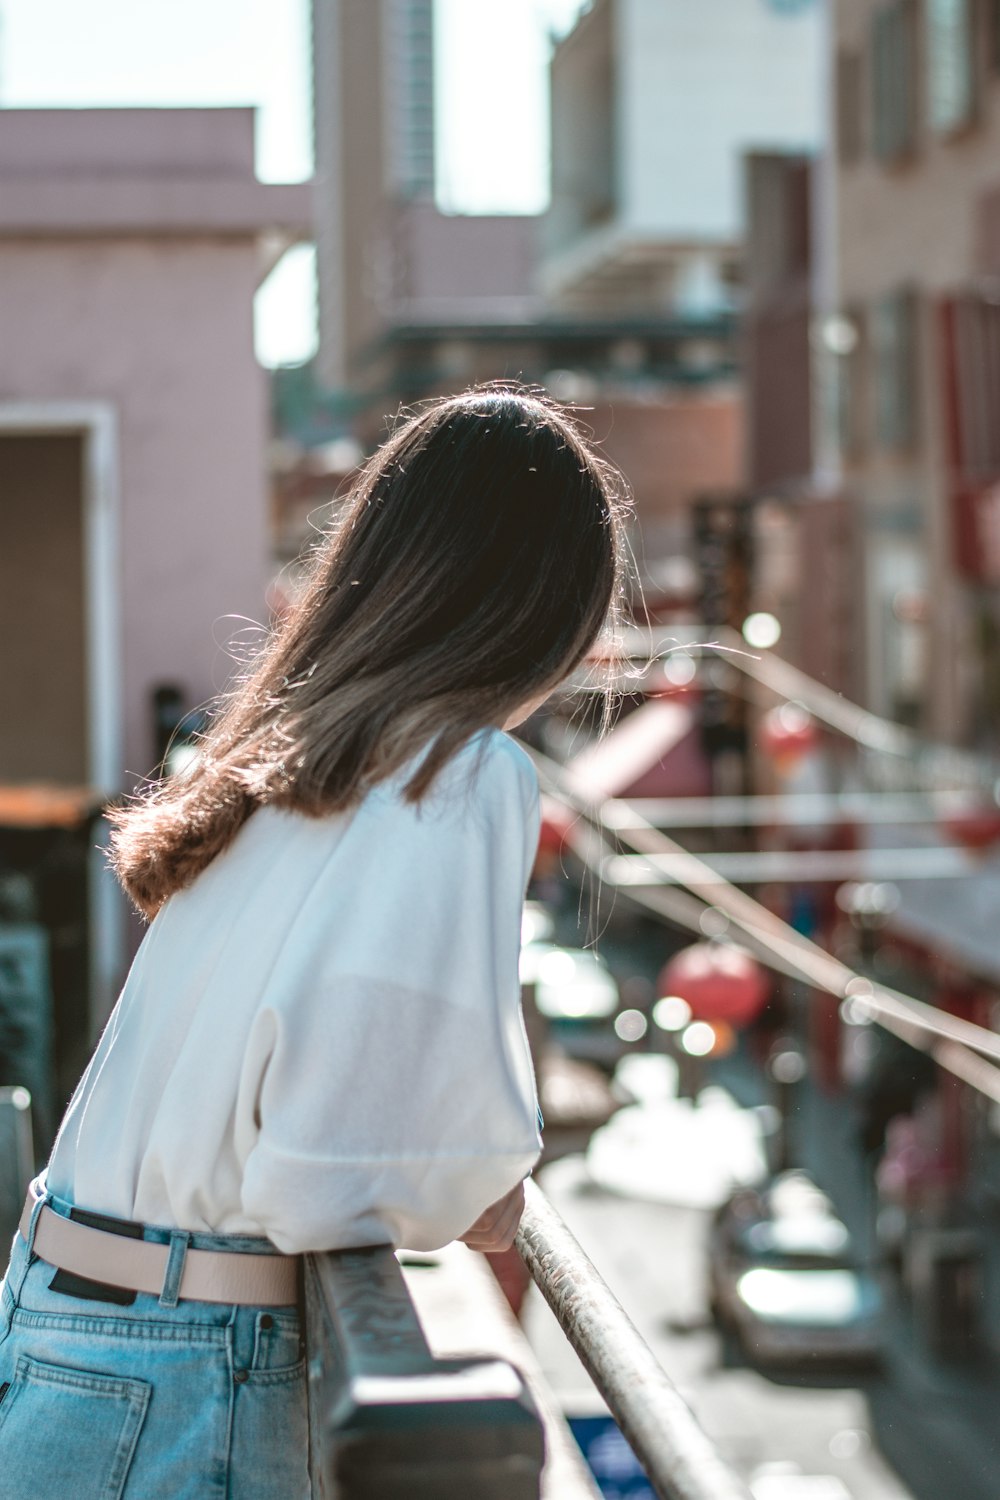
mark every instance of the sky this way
{"type": "Point", "coordinates": [490, 60]}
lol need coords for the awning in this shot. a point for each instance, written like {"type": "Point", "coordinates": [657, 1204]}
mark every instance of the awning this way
{"type": "Point", "coordinates": [654, 752]}
{"type": "Point", "coordinates": [960, 919]}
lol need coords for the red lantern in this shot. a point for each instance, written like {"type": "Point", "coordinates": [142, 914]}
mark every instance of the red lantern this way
{"type": "Point", "coordinates": [720, 982]}
{"type": "Point", "coordinates": [976, 830]}
{"type": "Point", "coordinates": [787, 733]}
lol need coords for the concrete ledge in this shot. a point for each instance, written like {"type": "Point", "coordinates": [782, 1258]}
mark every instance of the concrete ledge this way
{"type": "Point", "coordinates": [159, 203]}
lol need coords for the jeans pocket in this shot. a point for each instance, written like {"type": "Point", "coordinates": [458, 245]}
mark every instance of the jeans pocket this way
{"type": "Point", "coordinates": [68, 1432]}
{"type": "Point", "coordinates": [269, 1449]}
{"type": "Point", "coordinates": [277, 1343]}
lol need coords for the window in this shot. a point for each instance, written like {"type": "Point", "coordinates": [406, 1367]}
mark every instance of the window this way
{"type": "Point", "coordinates": [894, 81]}
{"type": "Point", "coordinates": [848, 338]}
{"type": "Point", "coordinates": [951, 71]}
{"type": "Point", "coordinates": [850, 133]}
{"type": "Point", "coordinates": [777, 189]}
{"type": "Point", "coordinates": [839, 343]}
{"type": "Point", "coordinates": [893, 333]}
{"type": "Point", "coordinates": [971, 350]}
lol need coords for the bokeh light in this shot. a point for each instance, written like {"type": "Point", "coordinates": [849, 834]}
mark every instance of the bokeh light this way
{"type": "Point", "coordinates": [631, 1025]}
{"type": "Point", "coordinates": [698, 1039]}
{"type": "Point", "coordinates": [762, 630]}
{"type": "Point", "coordinates": [671, 1013]}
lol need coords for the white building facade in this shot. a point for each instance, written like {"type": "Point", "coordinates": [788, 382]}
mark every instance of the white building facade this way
{"type": "Point", "coordinates": [654, 105]}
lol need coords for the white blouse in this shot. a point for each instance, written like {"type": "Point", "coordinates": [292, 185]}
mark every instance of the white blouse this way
{"type": "Point", "coordinates": [321, 1040]}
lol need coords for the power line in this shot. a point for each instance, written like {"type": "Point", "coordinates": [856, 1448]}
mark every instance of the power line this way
{"type": "Point", "coordinates": [929, 763]}
{"type": "Point", "coordinates": [784, 866]}
{"type": "Point", "coordinates": [803, 808]}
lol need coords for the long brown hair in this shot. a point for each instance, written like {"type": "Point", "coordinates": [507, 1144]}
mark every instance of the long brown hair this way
{"type": "Point", "coordinates": [476, 559]}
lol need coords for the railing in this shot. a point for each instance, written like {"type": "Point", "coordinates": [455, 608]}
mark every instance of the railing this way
{"type": "Point", "coordinates": [680, 1461]}
{"type": "Point", "coordinates": [391, 1422]}
{"type": "Point", "coordinates": [388, 1421]}
{"type": "Point", "coordinates": [963, 1048]}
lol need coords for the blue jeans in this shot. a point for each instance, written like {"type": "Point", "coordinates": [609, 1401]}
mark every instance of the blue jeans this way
{"type": "Point", "coordinates": [149, 1401]}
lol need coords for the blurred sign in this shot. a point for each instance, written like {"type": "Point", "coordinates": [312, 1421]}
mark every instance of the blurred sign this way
{"type": "Point", "coordinates": [610, 1459]}
{"type": "Point", "coordinates": [723, 551]}
{"type": "Point", "coordinates": [16, 1159]}
{"type": "Point", "coordinates": [969, 325]}
{"type": "Point", "coordinates": [977, 521]}
{"type": "Point", "coordinates": [26, 1015]}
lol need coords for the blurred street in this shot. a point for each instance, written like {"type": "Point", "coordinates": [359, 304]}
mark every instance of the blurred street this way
{"type": "Point", "coordinates": [653, 1257]}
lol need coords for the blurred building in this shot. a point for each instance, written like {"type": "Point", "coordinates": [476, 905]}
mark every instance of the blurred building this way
{"type": "Point", "coordinates": [914, 214]}
{"type": "Point", "coordinates": [395, 274]}
{"type": "Point", "coordinates": [806, 538]}
{"type": "Point", "coordinates": [654, 105]}
{"type": "Point", "coordinates": [908, 353]}
{"type": "Point", "coordinates": [873, 340]}
{"type": "Point", "coordinates": [414, 302]}
{"type": "Point", "coordinates": [133, 425]}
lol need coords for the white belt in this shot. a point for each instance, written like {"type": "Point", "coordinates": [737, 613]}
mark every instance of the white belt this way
{"type": "Point", "coordinates": [140, 1265]}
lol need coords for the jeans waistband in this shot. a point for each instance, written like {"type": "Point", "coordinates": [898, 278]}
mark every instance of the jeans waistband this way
{"type": "Point", "coordinates": [159, 1234]}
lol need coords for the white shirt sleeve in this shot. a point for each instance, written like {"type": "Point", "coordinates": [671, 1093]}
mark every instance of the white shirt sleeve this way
{"type": "Point", "coordinates": [391, 1084]}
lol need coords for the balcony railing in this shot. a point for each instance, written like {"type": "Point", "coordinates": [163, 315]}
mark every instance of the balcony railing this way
{"type": "Point", "coordinates": [389, 1421]}
{"type": "Point", "coordinates": [680, 1461]}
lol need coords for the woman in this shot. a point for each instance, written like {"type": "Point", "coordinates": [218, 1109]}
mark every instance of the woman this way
{"type": "Point", "coordinates": [319, 1044]}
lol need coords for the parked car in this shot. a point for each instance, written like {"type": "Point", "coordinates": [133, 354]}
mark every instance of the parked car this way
{"type": "Point", "coordinates": [783, 1278]}
{"type": "Point", "coordinates": [578, 996]}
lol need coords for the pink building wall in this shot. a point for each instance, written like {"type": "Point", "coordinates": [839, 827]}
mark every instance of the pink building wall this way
{"type": "Point", "coordinates": [161, 333]}
{"type": "Point", "coordinates": [129, 257]}
{"type": "Point", "coordinates": [455, 267]}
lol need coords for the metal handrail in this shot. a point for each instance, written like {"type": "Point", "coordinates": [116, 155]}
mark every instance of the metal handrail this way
{"type": "Point", "coordinates": [389, 1419]}
{"type": "Point", "coordinates": [680, 1461]}
{"type": "Point", "coordinates": [959, 1046]}
{"type": "Point", "coordinates": [925, 760]}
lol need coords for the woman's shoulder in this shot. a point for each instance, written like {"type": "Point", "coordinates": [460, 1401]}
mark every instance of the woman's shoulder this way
{"type": "Point", "coordinates": [500, 759]}
{"type": "Point", "coordinates": [487, 786]}
{"type": "Point", "coordinates": [491, 773]}
{"type": "Point", "coordinates": [489, 768]}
